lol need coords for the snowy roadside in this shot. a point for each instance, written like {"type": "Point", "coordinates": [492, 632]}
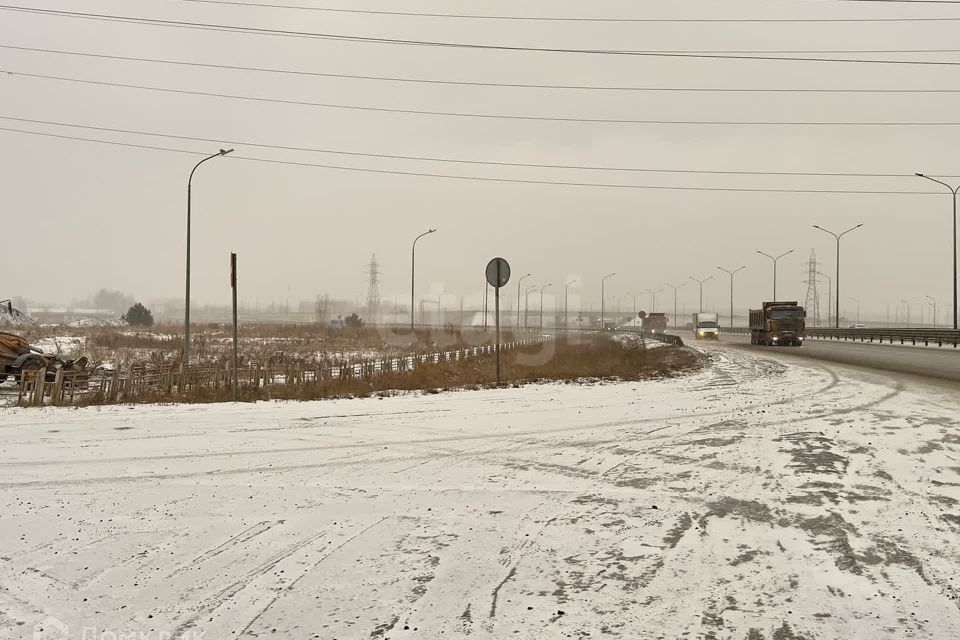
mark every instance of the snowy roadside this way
{"type": "Point", "coordinates": [746, 500]}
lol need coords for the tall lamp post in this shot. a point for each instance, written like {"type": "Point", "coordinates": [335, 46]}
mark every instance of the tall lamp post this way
{"type": "Point", "coordinates": [731, 274]}
{"type": "Point", "coordinates": [837, 279]}
{"type": "Point", "coordinates": [566, 308]}
{"type": "Point", "coordinates": [526, 275]}
{"type": "Point", "coordinates": [653, 298]}
{"type": "Point", "coordinates": [908, 310]}
{"type": "Point", "coordinates": [526, 306]}
{"type": "Point", "coordinates": [675, 289]}
{"type": "Point", "coordinates": [413, 272]}
{"type": "Point", "coordinates": [857, 300]}
{"type": "Point", "coordinates": [186, 313]}
{"type": "Point", "coordinates": [954, 191]}
{"type": "Point", "coordinates": [775, 259]}
{"type": "Point", "coordinates": [829, 295]}
{"type": "Point", "coordinates": [541, 303]}
{"type": "Point", "coordinates": [700, 282]}
{"type": "Point", "coordinates": [603, 284]}
{"type": "Point", "coordinates": [934, 302]}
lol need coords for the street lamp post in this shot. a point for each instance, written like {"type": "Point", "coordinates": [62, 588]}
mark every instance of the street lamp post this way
{"type": "Point", "coordinates": [675, 289]}
{"type": "Point", "coordinates": [526, 275]}
{"type": "Point", "coordinates": [186, 313]}
{"type": "Point", "coordinates": [700, 282]}
{"type": "Point", "coordinates": [908, 310]}
{"type": "Point", "coordinates": [934, 302]}
{"type": "Point", "coordinates": [634, 296]}
{"type": "Point", "coordinates": [857, 300]}
{"type": "Point", "coordinates": [526, 306]}
{"type": "Point", "coordinates": [566, 308]}
{"type": "Point", "coordinates": [603, 284]}
{"type": "Point", "coordinates": [731, 274]}
{"type": "Point", "coordinates": [653, 298]}
{"type": "Point", "coordinates": [954, 191]}
{"type": "Point", "coordinates": [541, 303]}
{"type": "Point", "coordinates": [829, 295]}
{"type": "Point", "coordinates": [413, 271]}
{"type": "Point", "coordinates": [837, 280]}
{"type": "Point", "coordinates": [775, 259]}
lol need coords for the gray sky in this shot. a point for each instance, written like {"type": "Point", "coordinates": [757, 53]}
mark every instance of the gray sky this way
{"type": "Point", "coordinates": [93, 216]}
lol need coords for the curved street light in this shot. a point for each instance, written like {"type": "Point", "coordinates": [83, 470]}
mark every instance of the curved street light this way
{"type": "Point", "coordinates": [603, 283]}
{"type": "Point", "coordinates": [700, 282]}
{"type": "Point", "coordinates": [954, 191]}
{"type": "Point", "coordinates": [566, 309]}
{"type": "Point", "coordinates": [413, 270]}
{"type": "Point", "coordinates": [731, 274]}
{"type": "Point", "coordinates": [675, 289]}
{"type": "Point", "coordinates": [775, 260]}
{"type": "Point", "coordinates": [549, 284]}
{"type": "Point", "coordinates": [837, 279]}
{"type": "Point", "coordinates": [526, 275]}
{"type": "Point", "coordinates": [186, 315]}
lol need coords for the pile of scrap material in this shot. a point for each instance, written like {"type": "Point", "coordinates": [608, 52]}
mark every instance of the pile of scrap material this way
{"type": "Point", "coordinates": [11, 316]}
{"type": "Point", "coordinates": [17, 356]}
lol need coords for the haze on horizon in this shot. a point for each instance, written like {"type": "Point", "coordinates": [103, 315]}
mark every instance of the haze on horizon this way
{"type": "Point", "coordinates": [87, 215]}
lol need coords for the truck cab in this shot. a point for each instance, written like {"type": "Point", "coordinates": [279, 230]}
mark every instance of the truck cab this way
{"type": "Point", "coordinates": [706, 326]}
{"type": "Point", "coordinates": [778, 324]}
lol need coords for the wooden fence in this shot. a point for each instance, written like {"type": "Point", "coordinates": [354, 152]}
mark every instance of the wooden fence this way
{"type": "Point", "coordinates": [110, 386]}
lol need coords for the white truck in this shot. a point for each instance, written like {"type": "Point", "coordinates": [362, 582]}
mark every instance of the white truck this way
{"type": "Point", "coordinates": [706, 325]}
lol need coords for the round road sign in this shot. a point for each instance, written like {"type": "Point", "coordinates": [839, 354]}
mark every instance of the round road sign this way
{"type": "Point", "coordinates": [498, 272]}
{"type": "Point", "coordinates": [642, 314]}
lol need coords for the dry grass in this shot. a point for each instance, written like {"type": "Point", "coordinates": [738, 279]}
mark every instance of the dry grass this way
{"type": "Point", "coordinates": [263, 343]}
{"type": "Point", "coordinates": [584, 359]}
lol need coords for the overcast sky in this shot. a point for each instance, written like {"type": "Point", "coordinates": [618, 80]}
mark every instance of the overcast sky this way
{"type": "Point", "coordinates": [81, 215]}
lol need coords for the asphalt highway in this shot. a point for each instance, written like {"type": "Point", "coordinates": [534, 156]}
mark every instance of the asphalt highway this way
{"type": "Point", "coordinates": [942, 363]}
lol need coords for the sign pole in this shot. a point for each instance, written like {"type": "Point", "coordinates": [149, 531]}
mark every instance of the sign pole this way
{"type": "Point", "coordinates": [233, 285]}
{"type": "Point", "coordinates": [498, 274]}
{"type": "Point", "coordinates": [497, 305]}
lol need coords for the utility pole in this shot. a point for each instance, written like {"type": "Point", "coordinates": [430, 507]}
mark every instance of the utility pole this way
{"type": "Point", "coordinates": [233, 286]}
{"type": "Point", "coordinates": [675, 289]}
{"type": "Point", "coordinates": [837, 281]}
{"type": "Point", "coordinates": [775, 260]}
{"type": "Point", "coordinates": [731, 274]}
{"type": "Point", "coordinates": [700, 282]}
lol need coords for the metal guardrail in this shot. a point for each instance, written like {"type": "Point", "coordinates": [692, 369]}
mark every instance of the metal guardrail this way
{"type": "Point", "coordinates": [648, 335]}
{"type": "Point", "coordinates": [914, 336]}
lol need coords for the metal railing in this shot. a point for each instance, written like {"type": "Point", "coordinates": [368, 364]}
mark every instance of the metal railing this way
{"type": "Point", "coordinates": [916, 335]}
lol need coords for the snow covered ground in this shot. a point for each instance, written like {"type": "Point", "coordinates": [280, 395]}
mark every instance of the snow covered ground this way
{"type": "Point", "coordinates": [757, 499]}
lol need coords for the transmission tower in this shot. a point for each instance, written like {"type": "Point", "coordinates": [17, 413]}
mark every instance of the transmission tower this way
{"type": "Point", "coordinates": [812, 303]}
{"type": "Point", "coordinates": [373, 289]}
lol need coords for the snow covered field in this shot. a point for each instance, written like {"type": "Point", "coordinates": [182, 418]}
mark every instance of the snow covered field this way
{"type": "Point", "coordinates": [758, 499]}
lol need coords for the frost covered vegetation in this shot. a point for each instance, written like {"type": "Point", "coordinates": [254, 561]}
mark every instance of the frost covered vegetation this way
{"type": "Point", "coordinates": [581, 359]}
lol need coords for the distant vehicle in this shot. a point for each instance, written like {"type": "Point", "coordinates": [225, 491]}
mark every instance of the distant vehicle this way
{"type": "Point", "coordinates": [777, 324]}
{"type": "Point", "coordinates": [706, 325]}
{"type": "Point", "coordinates": [655, 323]}
{"type": "Point", "coordinates": [858, 325]}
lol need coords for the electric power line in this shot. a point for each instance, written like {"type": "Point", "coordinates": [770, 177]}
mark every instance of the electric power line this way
{"type": "Point", "coordinates": [387, 156]}
{"type": "Point", "coordinates": [462, 16]}
{"type": "Point", "coordinates": [438, 175]}
{"type": "Point", "coordinates": [452, 45]}
{"type": "Point", "coordinates": [493, 116]}
{"type": "Point", "coordinates": [653, 89]}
